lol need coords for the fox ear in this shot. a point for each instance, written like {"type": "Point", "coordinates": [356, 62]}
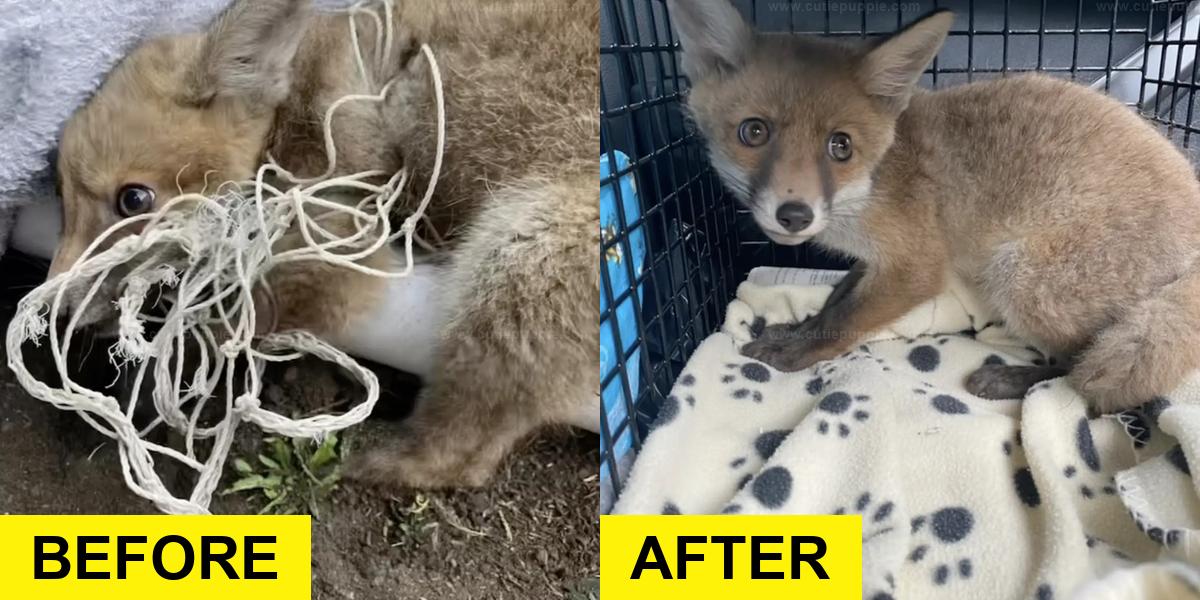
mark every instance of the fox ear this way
{"type": "Point", "coordinates": [713, 35]}
{"type": "Point", "coordinates": [891, 69]}
{"type": "Point", "coordinates": [248, 50]}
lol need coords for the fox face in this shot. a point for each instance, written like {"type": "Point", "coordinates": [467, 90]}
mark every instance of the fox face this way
{"type": "Point", "coordinates": [177, 115]}
{"type": "Point", "coordinates": [795, 125]}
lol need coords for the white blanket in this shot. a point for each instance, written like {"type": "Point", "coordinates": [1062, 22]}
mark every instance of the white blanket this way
{"type": "Point", "coordinates": [961, 497]}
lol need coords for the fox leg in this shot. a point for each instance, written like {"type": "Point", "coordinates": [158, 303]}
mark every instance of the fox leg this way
{"type": "Point", "coordinates": [866, 300]}
{"type": "Point", "coordinates": [519, 350]}
{"type": "Point", "coordinates": [1146, 353]}
{"type": "Point", "coordinates": [804, 329]}
{"type": "Point", "coordinates": [1127, 343]}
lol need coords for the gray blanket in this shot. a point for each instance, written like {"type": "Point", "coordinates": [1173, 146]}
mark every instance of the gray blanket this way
{"type": "Point", "coordinates": [53, 55]}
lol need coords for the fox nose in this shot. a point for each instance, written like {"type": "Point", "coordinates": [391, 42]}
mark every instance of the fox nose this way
{"type": "Point", "coordinates": [794, 216]}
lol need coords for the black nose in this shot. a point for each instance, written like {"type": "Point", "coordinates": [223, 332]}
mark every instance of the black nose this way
{"type": "Point", "coordinates": [794, 216]}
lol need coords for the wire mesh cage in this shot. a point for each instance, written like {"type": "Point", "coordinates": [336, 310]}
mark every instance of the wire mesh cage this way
{"type": "Point", "coordinates": [675, 245]}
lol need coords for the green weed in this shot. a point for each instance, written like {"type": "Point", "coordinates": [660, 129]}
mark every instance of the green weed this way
{"type": "Point", "coordinates": [290, 476]}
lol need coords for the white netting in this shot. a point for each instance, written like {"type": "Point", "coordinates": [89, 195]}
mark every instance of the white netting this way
{"type": "Point", "coordinates": [198, 259]}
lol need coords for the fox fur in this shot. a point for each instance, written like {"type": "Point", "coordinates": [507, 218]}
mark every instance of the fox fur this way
{"type": "Point", "coordinates": [1070, 216]}
{"type": "Point", "coordinates": [516, 199]}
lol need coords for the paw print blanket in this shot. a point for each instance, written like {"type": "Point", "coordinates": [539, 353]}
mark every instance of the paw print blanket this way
{"type": "Point", "coordinates": [961, 497]}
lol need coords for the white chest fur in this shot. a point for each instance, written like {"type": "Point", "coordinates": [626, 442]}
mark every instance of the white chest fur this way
{"type": "Point", "coordinates": [845, 230]}
{"type": "Point", "coordinates": [403, 329]}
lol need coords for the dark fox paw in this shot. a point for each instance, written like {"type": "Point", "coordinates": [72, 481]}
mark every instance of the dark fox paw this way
{"type": "Point", "coordinates": [783, 355]}
{"type": "Point", "coordinates": [782, 331]}
{"type": "Point", "coordinates": [1007, 382]}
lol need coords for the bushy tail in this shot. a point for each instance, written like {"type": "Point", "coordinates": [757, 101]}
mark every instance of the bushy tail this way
{"type": "Point", "coordinates": [1147, 353]}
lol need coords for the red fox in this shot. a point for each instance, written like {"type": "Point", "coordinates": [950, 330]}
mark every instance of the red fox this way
{"type": "Point", "coordinates": [1070, 217]}
{"type": "Point", "coordinates": [516, 198]}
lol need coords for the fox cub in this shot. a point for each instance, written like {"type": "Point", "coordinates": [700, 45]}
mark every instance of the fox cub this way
{"type": "Point", "coordinates": [516, 199]}
{"type": "Point", "coordinates": [1067, 214]}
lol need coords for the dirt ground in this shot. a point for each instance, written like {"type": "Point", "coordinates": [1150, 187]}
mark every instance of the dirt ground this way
{"type": "Point", "coordinates": [533, 533]}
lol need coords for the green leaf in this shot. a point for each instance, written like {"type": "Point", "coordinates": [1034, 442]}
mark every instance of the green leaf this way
{"type": "Point", "coordinates": [272, 504]}
{"type": "Point", "coordinates": [325, 454]}
{"type": "Point", "coordinates": [269, 462]}
{"type": "Point", "coordinates": [242, 466]}
{"type": "Point", "coordinates": [251, 482]}
{"type": "Point", "coordinates": [280, 450]}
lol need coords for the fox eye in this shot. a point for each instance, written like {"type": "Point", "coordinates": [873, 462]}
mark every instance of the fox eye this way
{"type": "Point", "coordinates": [753, 132]}
{"type": "Point", "coordinates": [839, 146]}
{"type": "Point", "coordinates": [134, 199]}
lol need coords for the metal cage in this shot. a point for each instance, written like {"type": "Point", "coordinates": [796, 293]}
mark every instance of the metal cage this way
{"type": "Point", "coordinates": [698, 244]}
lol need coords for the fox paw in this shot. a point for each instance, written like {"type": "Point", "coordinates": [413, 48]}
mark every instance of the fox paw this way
{"type": "Point", "coordinates": [1005, 382]}
{"type": "Point", "coordinates": [392, 468]}
{"type": "Point", "coordinates": [783, 331]}
{"type": "Point", "coordinates": [783, 355]}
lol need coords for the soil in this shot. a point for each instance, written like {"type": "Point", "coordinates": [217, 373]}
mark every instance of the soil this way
{"type": "Point", "coordinates": [532, 533]}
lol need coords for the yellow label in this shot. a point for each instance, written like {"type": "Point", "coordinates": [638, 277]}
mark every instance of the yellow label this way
{"type": "Point", "coordinates": [731, 556]}
{"type": "Point", "coordinates": [155, 556]}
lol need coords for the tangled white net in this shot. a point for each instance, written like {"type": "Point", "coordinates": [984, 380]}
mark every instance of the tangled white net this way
{"type": "Point", "coordinates": [202, 256]}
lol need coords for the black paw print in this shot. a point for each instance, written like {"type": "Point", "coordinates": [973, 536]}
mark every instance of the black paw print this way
{"type": "Point", "coordinates": [1091, 480]}
{"type": "Point", "coordinates": [1023, 482]}
{"type": "Point", "coordinates": [1166, 537]}
{"type": "Point", "coordinates": [825, 369]}
{"type": "Point", "coordinates": [815, 385]}
{"type": "Point", "coordinates": [1007, 446]}
{"type": "Point", "coordinates": [842, 410]}
{"type": "Point", "coordinates": [946, 527]}
{"type": "Point", "coordinates": [925, 358]}
{"type": "Point", "coordinates": [1026, 487]}
{"type": "Point", "coordinates": [667, 411]}
{"type": "Point", "coordinates": [764, 446]}
{"type": "Point", "coordinates": [685, 382]}
{"type": "Point", "coordinates": [752, 371]}
{"type": "Point", "coordinates": [877, 516]}
{"type": "Point", "coordinates": [1099, 545]}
